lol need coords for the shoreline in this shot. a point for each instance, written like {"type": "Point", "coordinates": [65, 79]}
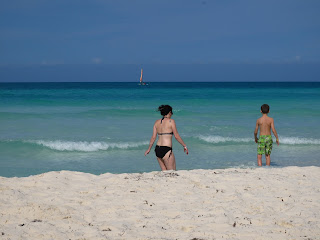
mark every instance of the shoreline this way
{"type": "Point", "coordinates": [157, 171]}
{"type": "Point", "coordinates": [233, 203]}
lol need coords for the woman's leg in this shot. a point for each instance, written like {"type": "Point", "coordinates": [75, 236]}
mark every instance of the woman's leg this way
{"type": "Point", "coordinates": [161, 163]}
{"type": "Point", "coordinates": [174, 161]}
{"type": "Point", "coordinates": [169, 161]}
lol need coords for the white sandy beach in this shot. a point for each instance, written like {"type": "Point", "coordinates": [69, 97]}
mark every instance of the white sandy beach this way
{"type": "Point", "coordinates": [262, 203]}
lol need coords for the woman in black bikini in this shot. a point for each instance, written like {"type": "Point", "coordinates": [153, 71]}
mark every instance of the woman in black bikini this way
{"type": "Point", "coordinates": [165, 128]}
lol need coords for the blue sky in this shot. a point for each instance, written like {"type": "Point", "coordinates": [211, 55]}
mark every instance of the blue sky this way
{"type": "Point", "coordinates": [159, 31]}
{"type": "Point", "coordinates": [76, 40]}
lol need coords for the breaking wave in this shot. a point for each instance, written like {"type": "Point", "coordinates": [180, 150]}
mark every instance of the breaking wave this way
{"type": "Point", "coordinates": [84, 146]}
{"type": "Point", "coordinates": [219, 139]}
{"type": "Point", "coordinates": [283, 140]}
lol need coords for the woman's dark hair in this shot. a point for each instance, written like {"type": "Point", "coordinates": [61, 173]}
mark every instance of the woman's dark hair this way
{"type": "Point", "coordinates": [265, 108]}
{"type": "Point", "coordinates": [164, 109]}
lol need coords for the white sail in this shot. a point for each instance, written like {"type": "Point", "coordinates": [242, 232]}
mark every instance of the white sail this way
{"type": "Point", "coordinates": [141, 76]}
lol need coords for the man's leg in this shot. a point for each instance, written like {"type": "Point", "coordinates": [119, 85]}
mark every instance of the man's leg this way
{"type": "Point", "coordinates": [259, 160]}
{"type": "Point", "coordinates": [268, 160]}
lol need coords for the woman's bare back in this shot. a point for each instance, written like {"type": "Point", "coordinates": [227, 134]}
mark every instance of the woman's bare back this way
{"type": "Point", "coordinates": [164, 131]}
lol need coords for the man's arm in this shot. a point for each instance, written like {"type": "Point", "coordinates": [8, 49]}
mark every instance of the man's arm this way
{"type": "Point", "coordinates": [274, 131]}
{"type": "Point", "coordinates": [256, 132]}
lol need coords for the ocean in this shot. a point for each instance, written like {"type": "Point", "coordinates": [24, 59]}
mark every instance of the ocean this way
{"type": "Point", "coordinates": [106, 127]}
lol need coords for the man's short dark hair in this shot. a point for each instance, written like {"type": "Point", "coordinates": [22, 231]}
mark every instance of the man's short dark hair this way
{"type": "Point", "coordinates": [265, 108]}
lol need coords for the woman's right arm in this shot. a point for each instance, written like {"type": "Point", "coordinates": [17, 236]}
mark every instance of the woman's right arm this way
{"type": "Point", "coordinates": [177, 136]}
{"type": "Point", "coordinates": [153, 138]}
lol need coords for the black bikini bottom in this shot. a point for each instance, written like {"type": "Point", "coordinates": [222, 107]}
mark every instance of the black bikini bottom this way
{"type": "Point", "coordinates": [161, 151]}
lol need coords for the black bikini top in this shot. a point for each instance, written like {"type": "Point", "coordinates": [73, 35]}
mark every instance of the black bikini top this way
{"type": "Point", "coordinates": [165, 133]}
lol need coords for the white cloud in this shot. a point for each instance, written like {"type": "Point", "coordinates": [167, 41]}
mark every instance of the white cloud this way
{"type": "Point", "coordinates": [96, 60]}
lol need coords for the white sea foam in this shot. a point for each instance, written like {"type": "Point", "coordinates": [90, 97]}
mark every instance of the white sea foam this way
{"type": "Point", "coordinates": [84, 146]}
{"type": "Point", "coordinates": [296, 140]}
{"type": "Point", "coordinates": [283, 140]}
{"type": "Point", "coordinates": [219, 139]}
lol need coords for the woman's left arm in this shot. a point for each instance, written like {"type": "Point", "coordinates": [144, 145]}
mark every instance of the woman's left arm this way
{"type": "Point", "coordinates": [177, 136]}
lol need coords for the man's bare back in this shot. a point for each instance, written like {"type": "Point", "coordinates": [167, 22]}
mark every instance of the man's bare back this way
{"type": "Point", "coordinates": [265, 124]}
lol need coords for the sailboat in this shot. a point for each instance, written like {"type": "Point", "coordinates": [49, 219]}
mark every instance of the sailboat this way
{"type": "Point", "coordinates": [141, 81]}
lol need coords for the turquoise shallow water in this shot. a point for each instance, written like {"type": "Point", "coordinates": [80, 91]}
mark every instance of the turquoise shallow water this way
{"type": "Point", "coordinates": [106, 127]}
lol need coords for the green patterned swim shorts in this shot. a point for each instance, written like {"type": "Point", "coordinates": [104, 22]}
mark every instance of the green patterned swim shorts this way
{"type": "Point", "coordinates": [265, 144]}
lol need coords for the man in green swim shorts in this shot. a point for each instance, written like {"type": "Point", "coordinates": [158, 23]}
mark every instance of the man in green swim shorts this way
{"type": "Point", "coordinates": [265, 124]}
